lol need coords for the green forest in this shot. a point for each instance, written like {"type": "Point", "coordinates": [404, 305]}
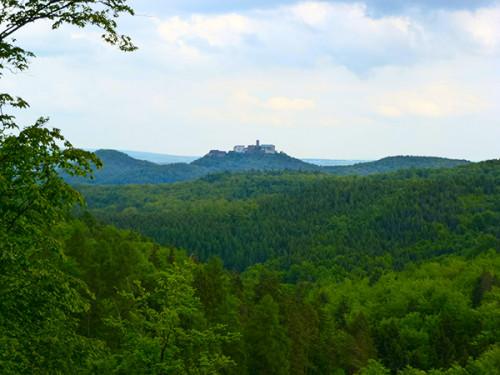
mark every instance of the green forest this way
{"type": "Point", "coordinates": [266, 273]}
{"type": "Point", "coordinates": [112, 301]}
{"type": "Point", "coordinates": [383, 274]}
{"type": "Point", "coordinates": [238, 272]}
{"type": "Point", "coordinates": [299, 219]}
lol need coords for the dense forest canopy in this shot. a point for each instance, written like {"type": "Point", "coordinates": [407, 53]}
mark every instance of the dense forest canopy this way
{"type": "Point", "coordinates": [296, 218]}
{"type": "Point", "coordinates": [384, 274]}
{"type": "Point", "coordinates": [154, 310]}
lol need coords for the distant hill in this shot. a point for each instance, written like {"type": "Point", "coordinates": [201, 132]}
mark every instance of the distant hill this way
{"type": "Point", "coordinates": [333, 162]}
{"type": "Point", "coordinates": [233, 162]}
{"type": "Point", "coordinates": [120, 168]}
{"type": "Point", "coordinates": [171, 159]}
{"type": "Point", "coordinates": [394, 163]}
{"type": "Point", "coordinates": [154, 157]}
{"type": "Point", "coordinates": [160, 158]}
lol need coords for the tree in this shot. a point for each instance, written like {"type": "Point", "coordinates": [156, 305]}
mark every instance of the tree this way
{"type": "Point", "coordinates": [41, 304]}
{"type": "Point", "coordinates": [268, 344]}
{"type": "Point", "coordinates": [32, 192]}
{"type": "Point", "coordinates": [374, 368]}
{"type": "Point", "coordinates": [33, 197]}
{"type": "Point", "coordinates": [164, 330]}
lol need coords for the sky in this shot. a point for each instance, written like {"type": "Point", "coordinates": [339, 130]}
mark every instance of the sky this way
{"type": "Point", "coordinates": [323, 79]}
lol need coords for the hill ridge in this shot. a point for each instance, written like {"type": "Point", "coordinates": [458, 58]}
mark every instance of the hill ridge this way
{"type": "Point", "coordinates": [120, 168]}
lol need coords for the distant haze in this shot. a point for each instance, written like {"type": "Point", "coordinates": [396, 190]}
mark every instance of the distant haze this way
{"type": "Point", "coordinates": [169, 159]}
{"type": "Point", "coordinates": [160, 158]}
{"type": "Point", "coordinates": [333, 162]}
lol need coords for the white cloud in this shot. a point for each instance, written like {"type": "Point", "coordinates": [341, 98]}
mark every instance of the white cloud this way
{"type": "Point", "coordinates": [281, 103]}
{"type": "Point", "coordinates": [241, 103]}
{"type": "Point", "coordinates": [483, 26]}
{"type": "Point", "coordinates": [351, 18]}
{"type": "Point", "coordinates": [433, 100]}
{"type": "Point", "coordinates": [312, 13]}
{"type": "Point", "coordinates": [218, 31]}
{"type": "Point", "coordinates": [342, 32]}
{"type": "Point", "coordinates": [312, 32]}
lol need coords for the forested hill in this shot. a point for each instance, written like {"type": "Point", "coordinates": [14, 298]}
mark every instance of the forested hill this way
{"type": "Point", "coordinates": [119, 168]}
{"type": "Point", "coordinates": [295, 219]}
{"type": "Point", "coordinates": [394, 163]}
{"type": "Point", "coordinates": [233, 162]}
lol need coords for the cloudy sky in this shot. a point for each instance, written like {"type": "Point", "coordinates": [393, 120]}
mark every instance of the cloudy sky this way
{"type": "Point", "coordinates": [351, 80]}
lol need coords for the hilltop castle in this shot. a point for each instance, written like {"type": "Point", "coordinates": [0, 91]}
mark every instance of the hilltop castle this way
{"type": "Point", "coordinates": [250, 149]}
{"type": "Point", "coordinates": [257, 147]}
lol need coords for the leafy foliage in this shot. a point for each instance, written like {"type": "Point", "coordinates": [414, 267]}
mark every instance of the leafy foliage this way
{"type": "Point", "coordinates": [40, 303]}
{"type": "Point", "coordinates": [146, 309]}
{"type": "Point", "coordinates": [17, 14]}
